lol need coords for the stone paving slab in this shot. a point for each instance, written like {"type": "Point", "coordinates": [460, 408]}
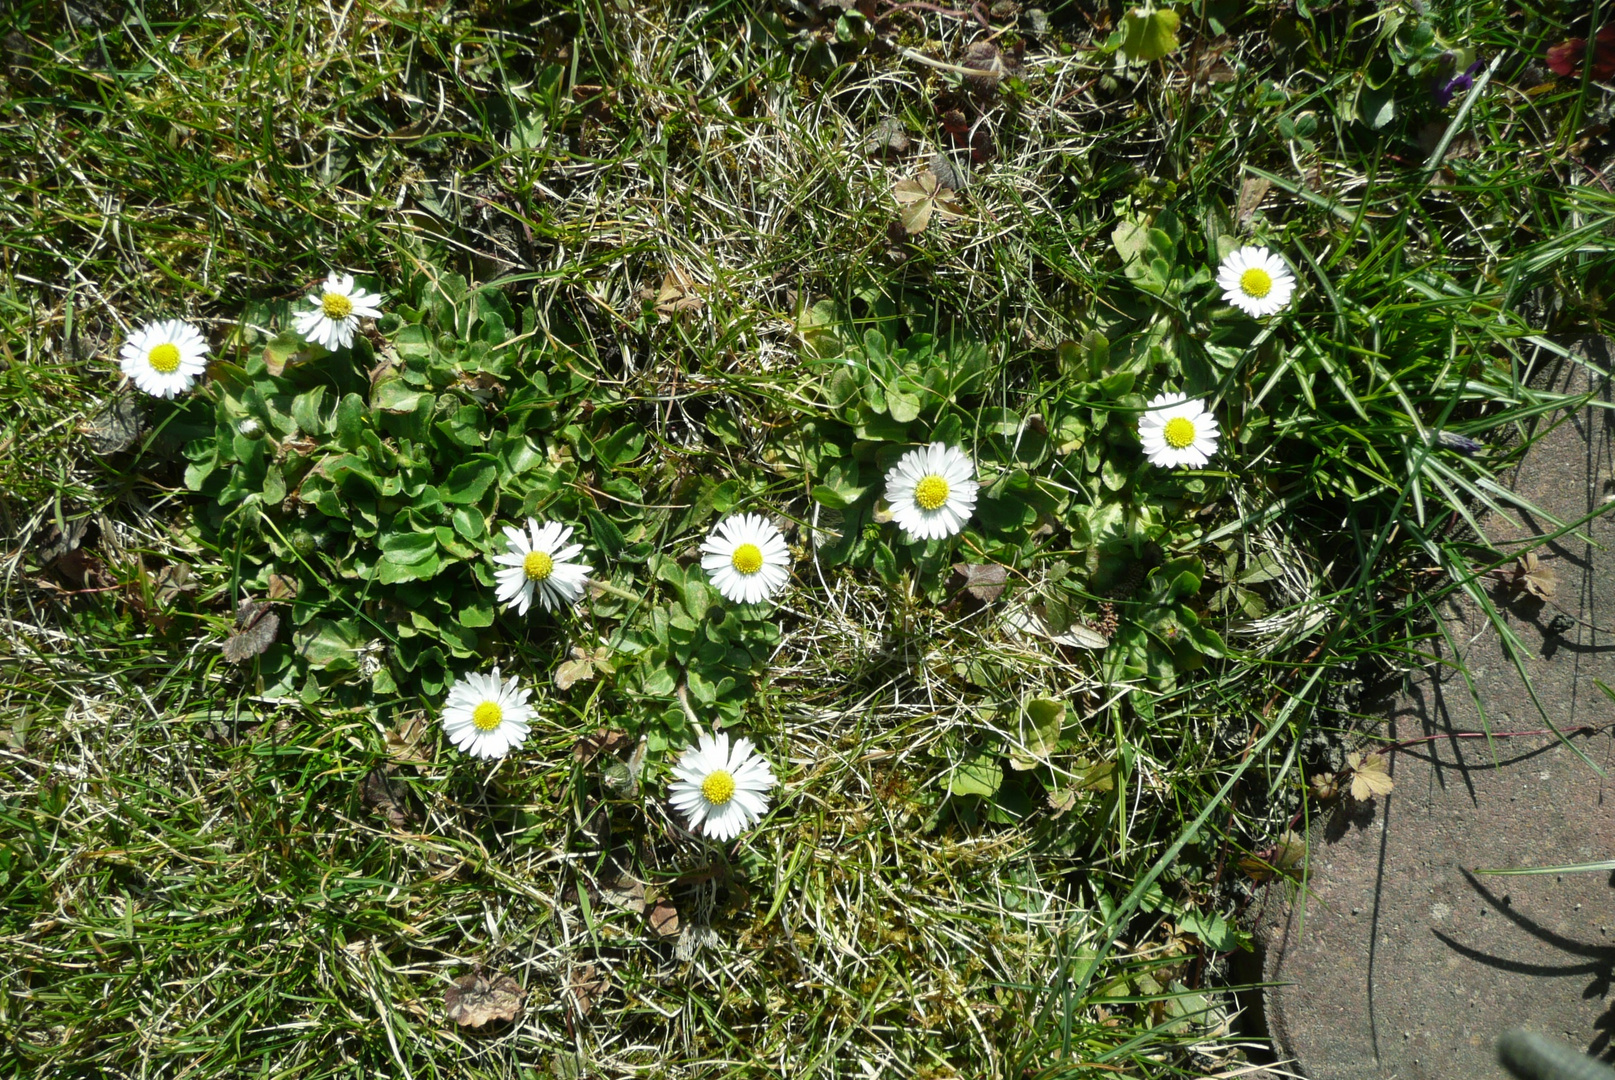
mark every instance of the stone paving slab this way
{"type": "Point", "coordinates": [1404, 965]}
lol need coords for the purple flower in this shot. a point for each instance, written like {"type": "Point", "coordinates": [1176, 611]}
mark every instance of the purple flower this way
{"type": "Point", "coordinates": [1446, 89]}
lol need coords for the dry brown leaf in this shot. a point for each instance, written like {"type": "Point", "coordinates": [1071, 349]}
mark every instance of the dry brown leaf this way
{"type": "Point", "coordinates": [583, 665]}
{"type": "Point", "coordinates": [571, 671]}
{"type": "Point", "coordinates": [983, 583]}
{"type": "Point", "coordinates": [282, 587]}
{"type": "Point", "coordinates": [677, 295]}
{"type": "Point", "coordinates": [404, 743]}
{"type": "Point", "coordinates": [988, 65]}
{"type": "Point", "coordinates": [115, 426]}
{"type": "Point", "coordinates": [53, 542]}
{"type": "Point", "coordinates": [1529, 576]}
{"type": "Point", "coordinates": [587, 984]}
{"type": "Point", "coordinates": [1034, 621]}
{"type": "Point", "coordinates": [1325, 786]}
{"type": "Point", "coordinates": [477, 999]}
{"type": "Point", "coordinates": [254, 631]}
{"type": "Point", "coordinates": [78, 568]}
{"type": "Point", "coordinates": [664, 918]}
{"type": "Point", "coordinates": [388, 797]}
{"type": "Point", "coordinates": [949, 173]}
{"type": "Point", "coordinates": [922, 196]}
{"type": "Point", "coordinates": [602, 741]}
{"type": "Point", "coordinates": [624, 891]}
{"type": "Point", "coordinates": [173, 581]}
{"type": "Point", "coordinates": [1368, 776]}
{"type": "Point", "coordinates": [886, 138]}
{"type": "Point", "coordinates": [1278, 859]}
{"type": "Point", "coordinates": [1251, 194]}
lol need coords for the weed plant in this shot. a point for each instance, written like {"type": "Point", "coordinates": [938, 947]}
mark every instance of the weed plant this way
{"type": "Point", "coordinates": [650, 265]}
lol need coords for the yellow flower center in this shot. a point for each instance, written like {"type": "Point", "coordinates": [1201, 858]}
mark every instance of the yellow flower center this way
{"type": "Point", "coordinates": [488, 716]}
{"type": "Point", "coordinates": [164, 358]}
{"type": "Point", "coordinates": [538, 566]}
{"type": "Point", "coordinates": [718, 787]}
{"type": "Point", "coordinates": [747, 559]}
{"type": "Point", "coordinates": [1179, 432]}
{"type": "Point", "coordinates": [1256, 282]}
{"type": "Point", "coordinates": [336, 306]}
{"type": "Point", "coordinates": [931, 492]}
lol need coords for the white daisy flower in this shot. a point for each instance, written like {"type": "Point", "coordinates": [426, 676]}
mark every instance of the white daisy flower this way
{"type": "Point", "coordinates": [485, 718]}
{"type": "Point", "coordinates": [746, 558]}
{"type": "Point", "coordinates": [1176, 431]}
{"type": "Point", "coordinates": [164, 358]}
{"type": "Point", "coordinates": [337, 311]}
{"type": "Point", "coordinates": [1255, 281]}
{"type": "Point", "coordinates": [540, 561]}
{"type": "Point", "coordinates": [722, 793]}
{"type": "Point", "coordinates": [932, 491]}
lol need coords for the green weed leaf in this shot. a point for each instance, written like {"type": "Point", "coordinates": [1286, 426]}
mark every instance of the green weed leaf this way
{"type": "Point", "coordinates": [1149, 35]}
{"type": "Point", "coordinates": [980, 775]}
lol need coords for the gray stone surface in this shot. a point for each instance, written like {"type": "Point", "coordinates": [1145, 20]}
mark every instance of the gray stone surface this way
{"type": "Point", "coordinates": [1402, 963]}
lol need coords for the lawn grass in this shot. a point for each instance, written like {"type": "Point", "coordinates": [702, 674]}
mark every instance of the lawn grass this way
{"type": "Point", "coordinates": [629, 251]}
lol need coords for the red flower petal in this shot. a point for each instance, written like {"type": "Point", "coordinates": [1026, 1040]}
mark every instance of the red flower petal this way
{"type": "Point", "coordinates": [1604, 60]}
{"type": "Point", "coordinates": [1565, 58]}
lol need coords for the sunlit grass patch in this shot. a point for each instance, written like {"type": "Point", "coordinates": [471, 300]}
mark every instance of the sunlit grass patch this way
{"type": "Point", "coordinates": [650, 272]}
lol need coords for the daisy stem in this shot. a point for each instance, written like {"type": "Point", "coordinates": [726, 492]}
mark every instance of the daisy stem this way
{"type": "Point", "coordinates": [683, 694]}
{"type": "Point", "coordinates": [607, 587]}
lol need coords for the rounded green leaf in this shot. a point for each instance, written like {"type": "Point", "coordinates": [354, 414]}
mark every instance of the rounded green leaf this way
{"type": "Point", "coordinates": [981, 775]}
{"type": "Point", "coordinates": [1149, 35]}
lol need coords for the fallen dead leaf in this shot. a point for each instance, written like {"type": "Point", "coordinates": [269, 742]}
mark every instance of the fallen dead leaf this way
{"type": "Point", "coordinates": [583, 665]}
{"type": "Point", "coordinates": [677, 295]}
{"type": "Point", "coordinates": [887, 139]}
{"type": "Point", "coordinates": [55, 542]}
{"type": "Point", "coordinates": [988, 66]}
{"type": "Point", "coordinates": [404, 743]}
{"type": "Point", "coordinates": [664, 918]}
{"type": "Point", "coordinates": [477, 999]}
{"type": "Point", "coordinates": [256, 625]}
{"type": "Point", "coordinates": [587, 984]}
{"type": "Point", "coordinates": [1368, 776]}
{"type": "Point", "coordinates": [1281, 858]}
{"type": "Point", "coordinates": [949, 173]}
{"type": "Point", "coordinates": [602, 741]}
{"type": "Point", "coordinates": [623, 891]}
{"type": "Point", "coordinates": [982, 583]}
{"type": "Point", "coordinates": [115, 426]}
{"type": "Point", "coordinates": [1033, 621]}
{"type": "Point", "coordinates": [388, 797]}
{"type": "Point", "coordinates": [174, 581]}
{"type": "Point", "coordinates": [1529, 576]}
{"type": "Point", "coordinates": [1251, 193]}
{"type": "Point", "coordinates": [922, 196]}
{"type": "Point", "coordinates": [282, 587]}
